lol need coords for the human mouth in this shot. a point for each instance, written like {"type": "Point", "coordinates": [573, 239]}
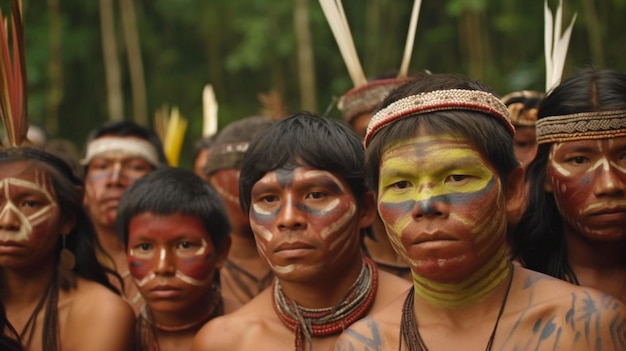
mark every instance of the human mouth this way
{"type": "Point", "coordinates": [433, 239]}
{"type": "Point", "coordinates": [292, 249]}
{"type": "Point", "coordinates": [164, 292]}
{"type": "Point", "coordinates": [10, 247]}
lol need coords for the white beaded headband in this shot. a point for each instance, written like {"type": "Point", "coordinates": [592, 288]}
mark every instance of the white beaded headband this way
{"type": "Point", "coordinates": [581, 126]}
{"type": "Point", "coordinates": [440, 100]}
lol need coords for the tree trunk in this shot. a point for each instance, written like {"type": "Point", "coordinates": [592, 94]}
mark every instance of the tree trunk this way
{"type": "Point", "coordinates": [115, 99]}
{"type": "Point", "coordinates": [55, 70]}
{"type": "Point", "coordinates": [135, 62]}
{"type": "Point", "coordinates": [595, 33]}
{"type": "Point", "coordinates": [306, 66]}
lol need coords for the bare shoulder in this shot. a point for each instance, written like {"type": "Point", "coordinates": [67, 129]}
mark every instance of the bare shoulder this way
{"type": "Point", "coordinates": [377, 332]}
{"type": "Point", "coordinates": [548, 311]}
{"type": "Point", "coordinates": [105, 320]}
{"type": "Point", "coordinates": [389, 288]}
{"type": "Point", "coordinates": [227, 332]}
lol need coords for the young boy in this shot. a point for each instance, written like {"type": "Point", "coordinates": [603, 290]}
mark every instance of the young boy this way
{"type": "Point", "coordinates": [440, 154]}
{"type": "Point", "coordinates": [176, 234]}
{"type": "Point", "coordinates": [302, 184]}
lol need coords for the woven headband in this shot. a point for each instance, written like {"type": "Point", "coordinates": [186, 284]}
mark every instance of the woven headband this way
{"type": "Point", "coordinates": [581, 126]}
{"type": "Point", "coordinates": [440, 100]}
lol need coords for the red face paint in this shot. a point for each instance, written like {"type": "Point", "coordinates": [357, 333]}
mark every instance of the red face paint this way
{"type": "Point", "coordinates": [588, 181]}
{"type": "Point", "coordinates": [171, 258]}
{"type": "Point", "coordinates": [304, 217]}
{"type": "Point", "coordinates": [30, 219]}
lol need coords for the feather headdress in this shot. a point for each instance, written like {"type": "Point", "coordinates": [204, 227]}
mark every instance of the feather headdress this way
{"type": "Point", "coordinates": [13, 106]}
{"type": "Point", "coordinates": [555, 44]}
{"type": "Point", "coordinates": [209, 111]}
{"type": "Point", "coordinates": [365, 96]}
{"type": "Point", "coordinates": [171, 127]}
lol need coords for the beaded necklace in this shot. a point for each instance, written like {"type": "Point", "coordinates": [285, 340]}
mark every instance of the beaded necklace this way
{"type": "Point", "coordinates": [409, 330]}
{"type": "Point", "coordinates": [315, 322]}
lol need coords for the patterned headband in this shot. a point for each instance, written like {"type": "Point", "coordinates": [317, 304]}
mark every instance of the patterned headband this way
{"type": "Point", "coordinates": [440, 100]}
{"type": "Point", "coordinates": [581, 126]}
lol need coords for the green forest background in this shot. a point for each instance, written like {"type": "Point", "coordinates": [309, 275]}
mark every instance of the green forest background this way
{"type": "Point", "coordinates": [82, 54]}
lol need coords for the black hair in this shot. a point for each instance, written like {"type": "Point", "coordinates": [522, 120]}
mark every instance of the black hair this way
{"type": "Point", "coordinates": [538, 241]}
{"type": "Point", "coordinates": [168, 191]}
{"type": "Point", "coordinates": [81, 240]}
{"type": "Point", "coordinates": [486, 132]}
{"type": "Point", "coordinates": [9, 339]}
{"type": "Point", "coordinates": [320, 142]}
{"type": "Point", "coordinates": [126, 129]}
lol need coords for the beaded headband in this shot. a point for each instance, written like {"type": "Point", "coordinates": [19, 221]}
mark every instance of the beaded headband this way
{"type": "Point", "coordinates": [366, 98]}
{"type": "Point", "coordinates": [581, 126]}
{"type": "Point", "coordinates": [440, 100]}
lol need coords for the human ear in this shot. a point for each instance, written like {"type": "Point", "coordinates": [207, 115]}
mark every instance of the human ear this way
{"type": "Point", "coordinates": [222, 253]}
{"type": "Point", "coordinates": [516, 195]}
{"type": "Point", "coordinates": [368, 210]}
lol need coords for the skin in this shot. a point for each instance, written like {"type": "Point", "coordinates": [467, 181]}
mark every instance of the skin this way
{"type": "Point", "coordinates": [437, 213]}
{"type": "Point", "coordinates": [588, 181]}
{"type": "Point", "coordinates": [451, 186]}
{"type": "Point", "coordinates": [107, 176]}
{"type": "Point", "coordinates": [306, 223]}
{"type": "Point", "coordinates": [243, 251]}
{"type": "Point", "coordinates": [525, 144]}
{"type": "Point", "coordinates": [32, 222]}
{"type": "Point", "coordinates": [173, 262]}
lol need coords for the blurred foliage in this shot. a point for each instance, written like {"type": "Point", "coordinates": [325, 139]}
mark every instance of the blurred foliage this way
{"type": "Point", "coordinates": [246, 47]}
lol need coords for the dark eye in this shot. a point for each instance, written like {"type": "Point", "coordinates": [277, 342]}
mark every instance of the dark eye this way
{"type": "Point", "coordinates": [31, 203]}
{"type": "Point", "coordinates": [316, 195]}
{"type": "Point", "coordinates": [458, 177]}
{"type": "Point", "coordinates": [401, 185]}
{"type": "Point", "coordinates": [269, 198]}
{"type": "Point", "coordinates": [185, 245]}
{"type": "Point", "coordinates": [144, 246]}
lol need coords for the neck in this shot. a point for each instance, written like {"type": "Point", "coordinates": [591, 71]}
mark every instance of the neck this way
{"type": "Point", "coordinates": [476, 287]}
{"type": "Point", "coordinates": [600, 256]}
{"type": "Point", "coordinates": [109, 241]}
{"type": "Point", "coordinates": [186, 320]}
{"type": "Point", "coordinates": [25, 288]}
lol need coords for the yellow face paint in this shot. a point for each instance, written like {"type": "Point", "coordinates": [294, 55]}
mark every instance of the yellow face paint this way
{"type": "Point", "coordinates": [444, 210]}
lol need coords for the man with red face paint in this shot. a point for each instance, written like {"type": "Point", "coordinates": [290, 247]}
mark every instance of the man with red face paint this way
{"type": "Point", "coordinates": [302, 184]}
{"type": "Point", "coordinates": [244, 274]}
{"type": "Point", "coordinates": [176, 239]}
{"type": "Point", "coordinates": [440, 154]}
{"type": "Point", "coordinates": [575, 226]}
{"type": "Point", "coordinates": [116, 155]}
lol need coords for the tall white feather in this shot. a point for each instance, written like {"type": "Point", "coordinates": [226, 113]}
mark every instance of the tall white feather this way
{"type": "Point", "coordinates": [555, 44]}
{"type": "Point", "coordinates": [410, 40]}
{"type": "Point", "coordinates": [336, 17]}
{"type": "Point", "coordinates": [209, 111]}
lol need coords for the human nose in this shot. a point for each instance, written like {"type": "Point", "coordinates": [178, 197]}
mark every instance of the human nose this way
{"type": "Point", "coordinates": [9, 218]}
{"type": "Point", "coordinates": [165, 264]}
{"type": "Point", "coordinates": [291, 216]}
{"type": "Point", "coordinates": [429, 206]}
{"type": "Point", "coordinates": [609, 181]}
{"type": "Point", "coordinates": [116, 177]}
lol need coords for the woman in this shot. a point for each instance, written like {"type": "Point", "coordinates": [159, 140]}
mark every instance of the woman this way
{"type": "Point", "coordinates": [49, 275]}
{"type": "Point", "coordinates": [575, 225]}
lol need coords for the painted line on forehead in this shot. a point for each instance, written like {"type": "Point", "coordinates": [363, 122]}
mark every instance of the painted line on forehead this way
{"type": "Point", "coordinates": [316, 173]}
{"type": "Point", "coordinates": [284, 177]}
{"type": "Point", "coordinates": [339, 223]}
{"type": "Point", "coordinates": [225, 194]}
{"type": "Point", "coordinates": [39, 185]}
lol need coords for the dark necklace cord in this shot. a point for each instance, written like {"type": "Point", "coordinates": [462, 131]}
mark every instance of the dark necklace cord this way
{"type": "Point", "coordinates": [236, 272]}
{"type": "Point", "coordinates": [409, 330]}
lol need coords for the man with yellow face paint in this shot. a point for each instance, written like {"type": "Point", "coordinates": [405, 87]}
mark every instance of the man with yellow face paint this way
{"type": "Point", "coordinates": [440, 155]}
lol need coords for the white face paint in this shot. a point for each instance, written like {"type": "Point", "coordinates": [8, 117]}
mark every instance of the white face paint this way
{"type": "Point", "coordinates": [29, 202]}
